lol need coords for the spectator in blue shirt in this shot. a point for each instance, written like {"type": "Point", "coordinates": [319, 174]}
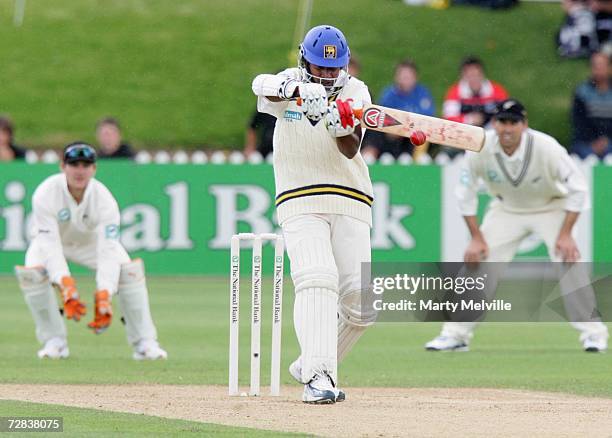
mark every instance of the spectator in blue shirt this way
{"type": "Point", "coordinates": [592, 110]}
{"type": "Point", "coordinates": [406, 94]}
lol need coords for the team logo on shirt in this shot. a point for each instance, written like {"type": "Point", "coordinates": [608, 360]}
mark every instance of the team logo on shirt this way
{"type": "Point", "coordinates": [493, 176]}
{"type": "Point", "coordinates": [465, 177]}
{"type": "Point", "coordinates": [63, 215]}
{"type": "Point", "coordinates": [111, 231]}
{"type": "Point", "coordinates": [292, 115]}
{"type": "Point", "coordinates": [329, 51]}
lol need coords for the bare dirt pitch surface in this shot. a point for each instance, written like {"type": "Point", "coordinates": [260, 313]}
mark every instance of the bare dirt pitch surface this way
{"type": "Point", "coordinates": [370, 412]}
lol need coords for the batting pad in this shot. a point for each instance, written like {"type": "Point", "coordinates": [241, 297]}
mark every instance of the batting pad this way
{"type": "Point", "coordinates": [315, 320]}
{"type": "Point", "coordinates": [348, 335]}
{"type": "Point", "coordinates": [42, 302]}
{"type": "Point", "coordinates": [353, 319]}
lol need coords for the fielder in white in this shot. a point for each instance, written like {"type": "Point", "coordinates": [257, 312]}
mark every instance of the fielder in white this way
{"type": "Point", "coordinates": [323, 200]}
{"type": "Point", "coordinates": [76, 218]}
{"type": "Point", "coordinates": [537, 189]}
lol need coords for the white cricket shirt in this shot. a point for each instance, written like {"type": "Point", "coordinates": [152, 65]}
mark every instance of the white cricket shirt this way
{"type": "Point", "coordinates": [311, 175]}
{"type": "Point", "coordinates": [539, 176]}
{"type": "Point", "coordinates": [59, 222]}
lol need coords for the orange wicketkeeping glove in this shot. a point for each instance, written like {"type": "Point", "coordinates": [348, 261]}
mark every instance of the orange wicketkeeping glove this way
{"type": "Point", "coordinates": [74, 308]}
{"type": "Point", "coordinates": [104, 312]}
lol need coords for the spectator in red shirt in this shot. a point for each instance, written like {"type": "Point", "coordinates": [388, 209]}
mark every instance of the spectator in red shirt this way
{"type": "Point", "coordinates": [474, 98]}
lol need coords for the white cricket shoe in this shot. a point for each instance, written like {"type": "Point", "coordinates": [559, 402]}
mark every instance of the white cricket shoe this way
{"type": "Point", "coordinates": [595, 344]}
{"type": "Point", "coordinates": [55, 348]}
{"type": "Point", "coordinates": [446, 343]}
{"type": "Point", "coordinates": [295, 369]}
{"type": "Point", "coordinates": [148, 349]}
{"type": "Point", "coordinates": [320, 391]}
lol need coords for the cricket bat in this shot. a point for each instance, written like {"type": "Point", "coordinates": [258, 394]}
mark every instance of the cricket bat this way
{"type": "Point", "coordinates": [403, 123]}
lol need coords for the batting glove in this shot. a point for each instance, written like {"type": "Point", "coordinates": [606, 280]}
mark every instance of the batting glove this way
{"type": "Point", "coordinates": [74, 308]}
{"type": "Point", "coordinates": [104, 312]}
{"type": "Point", "coordinates": [339, 118]}
{"type": "Point", "coordinates": [287, 88]}
{"type": "Point", "coordinates": [314, 100]}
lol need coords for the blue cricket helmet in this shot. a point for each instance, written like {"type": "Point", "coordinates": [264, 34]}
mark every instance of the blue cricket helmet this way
{"type": "Point", "coordinates": [325, 46]}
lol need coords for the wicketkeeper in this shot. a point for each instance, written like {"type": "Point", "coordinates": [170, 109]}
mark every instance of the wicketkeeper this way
{"type": "Point", "coordinates": [76, 218]}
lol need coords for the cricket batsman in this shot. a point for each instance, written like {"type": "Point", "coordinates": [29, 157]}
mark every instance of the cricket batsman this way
{"type": "Point", "coordinates": [323, 203]}
{"type": "Point", "coordinates": [537, 188]}
{"type": "Point", "coordinates": [76, 218]}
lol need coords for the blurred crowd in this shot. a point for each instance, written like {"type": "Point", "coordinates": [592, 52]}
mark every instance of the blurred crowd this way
{"type": "Point", "coordinates": [471, 99]}
{"type": "Point", "coordinates": [586, 32]}
{"type": "Point", "coordinates": [586, 28]}
{"type": "Point", "coordinates": [108, 136]}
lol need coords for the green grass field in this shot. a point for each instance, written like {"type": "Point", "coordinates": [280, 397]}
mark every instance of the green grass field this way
{"type": "Point", "coordinates": [191, 316]}
{"type": "Point", "coordinates": [178, 74]}
{"type": "Point", "coordinates": [90, 422]}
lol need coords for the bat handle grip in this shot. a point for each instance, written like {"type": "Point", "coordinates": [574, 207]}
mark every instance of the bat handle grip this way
{"type": "Point", "coordinates": [358, 113]}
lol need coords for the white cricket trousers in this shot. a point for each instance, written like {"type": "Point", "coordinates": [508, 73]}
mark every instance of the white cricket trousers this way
{"type": "Point", "coordinates": [503, 232]}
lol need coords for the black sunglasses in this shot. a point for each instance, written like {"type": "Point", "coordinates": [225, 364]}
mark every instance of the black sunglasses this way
{"type": "Point", "coordinates": [80, 152]}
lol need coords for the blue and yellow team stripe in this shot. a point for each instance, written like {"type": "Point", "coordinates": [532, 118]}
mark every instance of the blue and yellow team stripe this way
{"type": "Point", "coordinates": [324, 189]}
